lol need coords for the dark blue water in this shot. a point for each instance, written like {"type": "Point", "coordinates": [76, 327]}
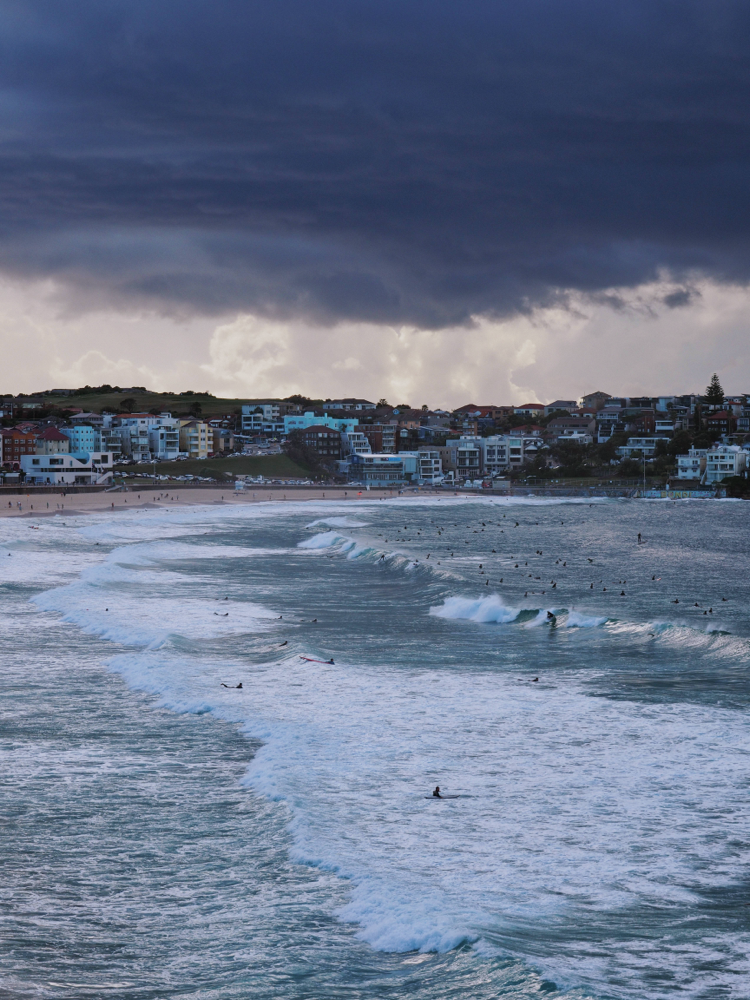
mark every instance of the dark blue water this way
{"type": "Point", "coordinates": [164, 836]}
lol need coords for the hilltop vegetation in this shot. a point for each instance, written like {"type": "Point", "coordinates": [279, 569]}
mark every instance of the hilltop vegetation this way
{"type": "Point", "coordinates": [178, 404]}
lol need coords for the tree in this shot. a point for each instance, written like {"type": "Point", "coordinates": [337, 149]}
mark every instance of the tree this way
{"type": "Point", "coordinates": [630, 468]}
{"type": "Point", "coordinates": [195, 409]}
{"type": "Point", "coordinates": [127, 404]}
{"type": "Point", "coordinates": [714, 391]}
{"type": "Point", "coordinates": [680, 443]}
{"type": "Point", "coordinates": [383, 402]}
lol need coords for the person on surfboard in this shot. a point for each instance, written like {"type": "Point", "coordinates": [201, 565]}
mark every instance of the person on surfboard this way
{"type": "Point", "coordinates": [436, 793]}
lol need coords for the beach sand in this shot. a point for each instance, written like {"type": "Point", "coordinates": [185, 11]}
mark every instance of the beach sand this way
{"type": "Point", "coordinates": [49, 504]}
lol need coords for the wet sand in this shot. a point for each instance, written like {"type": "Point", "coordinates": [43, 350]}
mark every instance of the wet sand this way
{"type": "Point", "coordinates": [49, 504]}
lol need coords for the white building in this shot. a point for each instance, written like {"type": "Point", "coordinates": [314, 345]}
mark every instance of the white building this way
{"type": "Point", "coordinates": [164, 439]}
{"type": "Point", "coordinates": [723, 461]}
{"type": "Point", "coordinates": [429, 466]}
{"type": "Point", "coordinates": [76, 469]}
{"type": "Point", "coordinates": [692, 465]}
{"type": "Point", "coordinates": [643, 445]}
{"type": "Point", "coordinates": [134, 442]}
{"type": "Point", "coordinates": [495, 454]}
{"type": "Point", "coordinates": [140, 438]}
{"type": "Point", "coordinates": [351, 404]}
{"type": "Point", "coordinates": [265, 418]}
{"type": "Point", "coordinates": [380, 469]}
{"type": "Point", "coordinates": [510, 451]}
{"type": "Point", "coordinates": [575, 436]}
{"type": "Point", "coordinates": [355, 443]}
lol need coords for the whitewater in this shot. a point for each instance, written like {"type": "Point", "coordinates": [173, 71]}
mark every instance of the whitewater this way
{"type": "Point", "coordinates": [583, 695]}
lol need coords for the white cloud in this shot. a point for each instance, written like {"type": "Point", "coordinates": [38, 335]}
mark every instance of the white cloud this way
{"type": "Point", "coordinates": [628, 342]}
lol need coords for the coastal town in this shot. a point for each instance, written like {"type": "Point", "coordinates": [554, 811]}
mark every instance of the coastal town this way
{"type": "Point", "coordinates": [689, 442]}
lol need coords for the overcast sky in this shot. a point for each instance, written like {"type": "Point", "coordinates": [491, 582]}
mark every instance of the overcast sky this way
{"type": "Point", "coordinates": [438, 201]}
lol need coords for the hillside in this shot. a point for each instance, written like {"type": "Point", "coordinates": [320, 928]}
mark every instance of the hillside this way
{"type": "Point", "coordinates": [174, 403]}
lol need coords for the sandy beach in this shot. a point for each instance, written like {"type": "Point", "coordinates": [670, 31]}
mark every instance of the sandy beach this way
{"type": "Point", "coordinates": [49, 504]}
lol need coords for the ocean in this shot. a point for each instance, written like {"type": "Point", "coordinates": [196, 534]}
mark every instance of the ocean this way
{"type": "Point", "coordinates": [581, 695]}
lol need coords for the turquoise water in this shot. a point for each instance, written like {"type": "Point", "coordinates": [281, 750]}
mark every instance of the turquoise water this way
{"type": "Point", "coordinates": [164, 836]}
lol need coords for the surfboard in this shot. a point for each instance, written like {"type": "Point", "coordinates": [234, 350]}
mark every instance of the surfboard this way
{"type": "Point", "coordinates": [442, 797]}
{"type": "Point", "coordinates": [311, 659]}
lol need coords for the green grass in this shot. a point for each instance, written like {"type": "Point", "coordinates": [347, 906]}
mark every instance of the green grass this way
{"type": "Point", "coordinates": [178, 406]}
{"type": "Point", "coordinates": [268, 466]}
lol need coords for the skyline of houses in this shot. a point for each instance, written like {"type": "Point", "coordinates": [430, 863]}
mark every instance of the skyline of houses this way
{"type": "Point", "coordinates": [358, 440]}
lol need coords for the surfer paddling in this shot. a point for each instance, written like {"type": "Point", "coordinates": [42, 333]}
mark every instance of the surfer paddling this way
{"type": "Point", "coordinates": [436, 794]}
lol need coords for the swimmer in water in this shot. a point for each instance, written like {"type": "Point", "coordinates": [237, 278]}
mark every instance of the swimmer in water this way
{"type": "Point", "coordinates": [436, 794]}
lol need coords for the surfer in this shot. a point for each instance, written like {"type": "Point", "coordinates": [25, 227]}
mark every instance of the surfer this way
{"type": "Point", "coordinates": [436, 794]}
{"type": "Point", "coordinates": [233, 687]}
{"type": "Point", "coordinates": [639, 538]}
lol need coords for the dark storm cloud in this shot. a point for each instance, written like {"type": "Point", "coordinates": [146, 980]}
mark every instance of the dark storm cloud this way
{"type": "Point", "coordinates": [388, 161]}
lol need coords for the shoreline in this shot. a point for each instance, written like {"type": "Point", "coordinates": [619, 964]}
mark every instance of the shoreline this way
{"type": "Point", "coordinates": [76, 504]}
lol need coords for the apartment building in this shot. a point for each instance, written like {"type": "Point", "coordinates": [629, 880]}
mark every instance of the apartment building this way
{"type": "Point", "coordinates": [468, 460]}
{"type": "Point", "coordinates": [15, 444]}
{"type": "Point", "coordinates": [380, 470]}
{"type": "Point", "coordinates": [51, 441]}
{"type": "Point", "coordinates": [265, 418]}
{"type": "Point", "coordinates": [300, 421]}
{"type": "Point", "coordinates": [324, 441]}
{"type": "Point", "coordinates": [692, 465]}
{"type": "Point", "coordinates": [640, 446]}
{"type": "Point", "coordinates": [195, 437]}
{"type": "Point", "coordinates": [223, 440]}
{"type": "Point", "coordinates": [358, 405]}
{"type": "Point", "coordinates": [429, 466]}
{"type": "Point", "coordinates": [82, 437]}
{"type": "Point", "coordinates": [723, 461]}
{"type": "Point", "coordinates": [495, 454]}
{"type": "Point", "coordinates": [382, 437]}
{"type": "Point", "coordinates": [579, 428]}
{"type": "Point", "coordinates": [355, 443]}
{"type": "Point", "coordinates": [164, 439]}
